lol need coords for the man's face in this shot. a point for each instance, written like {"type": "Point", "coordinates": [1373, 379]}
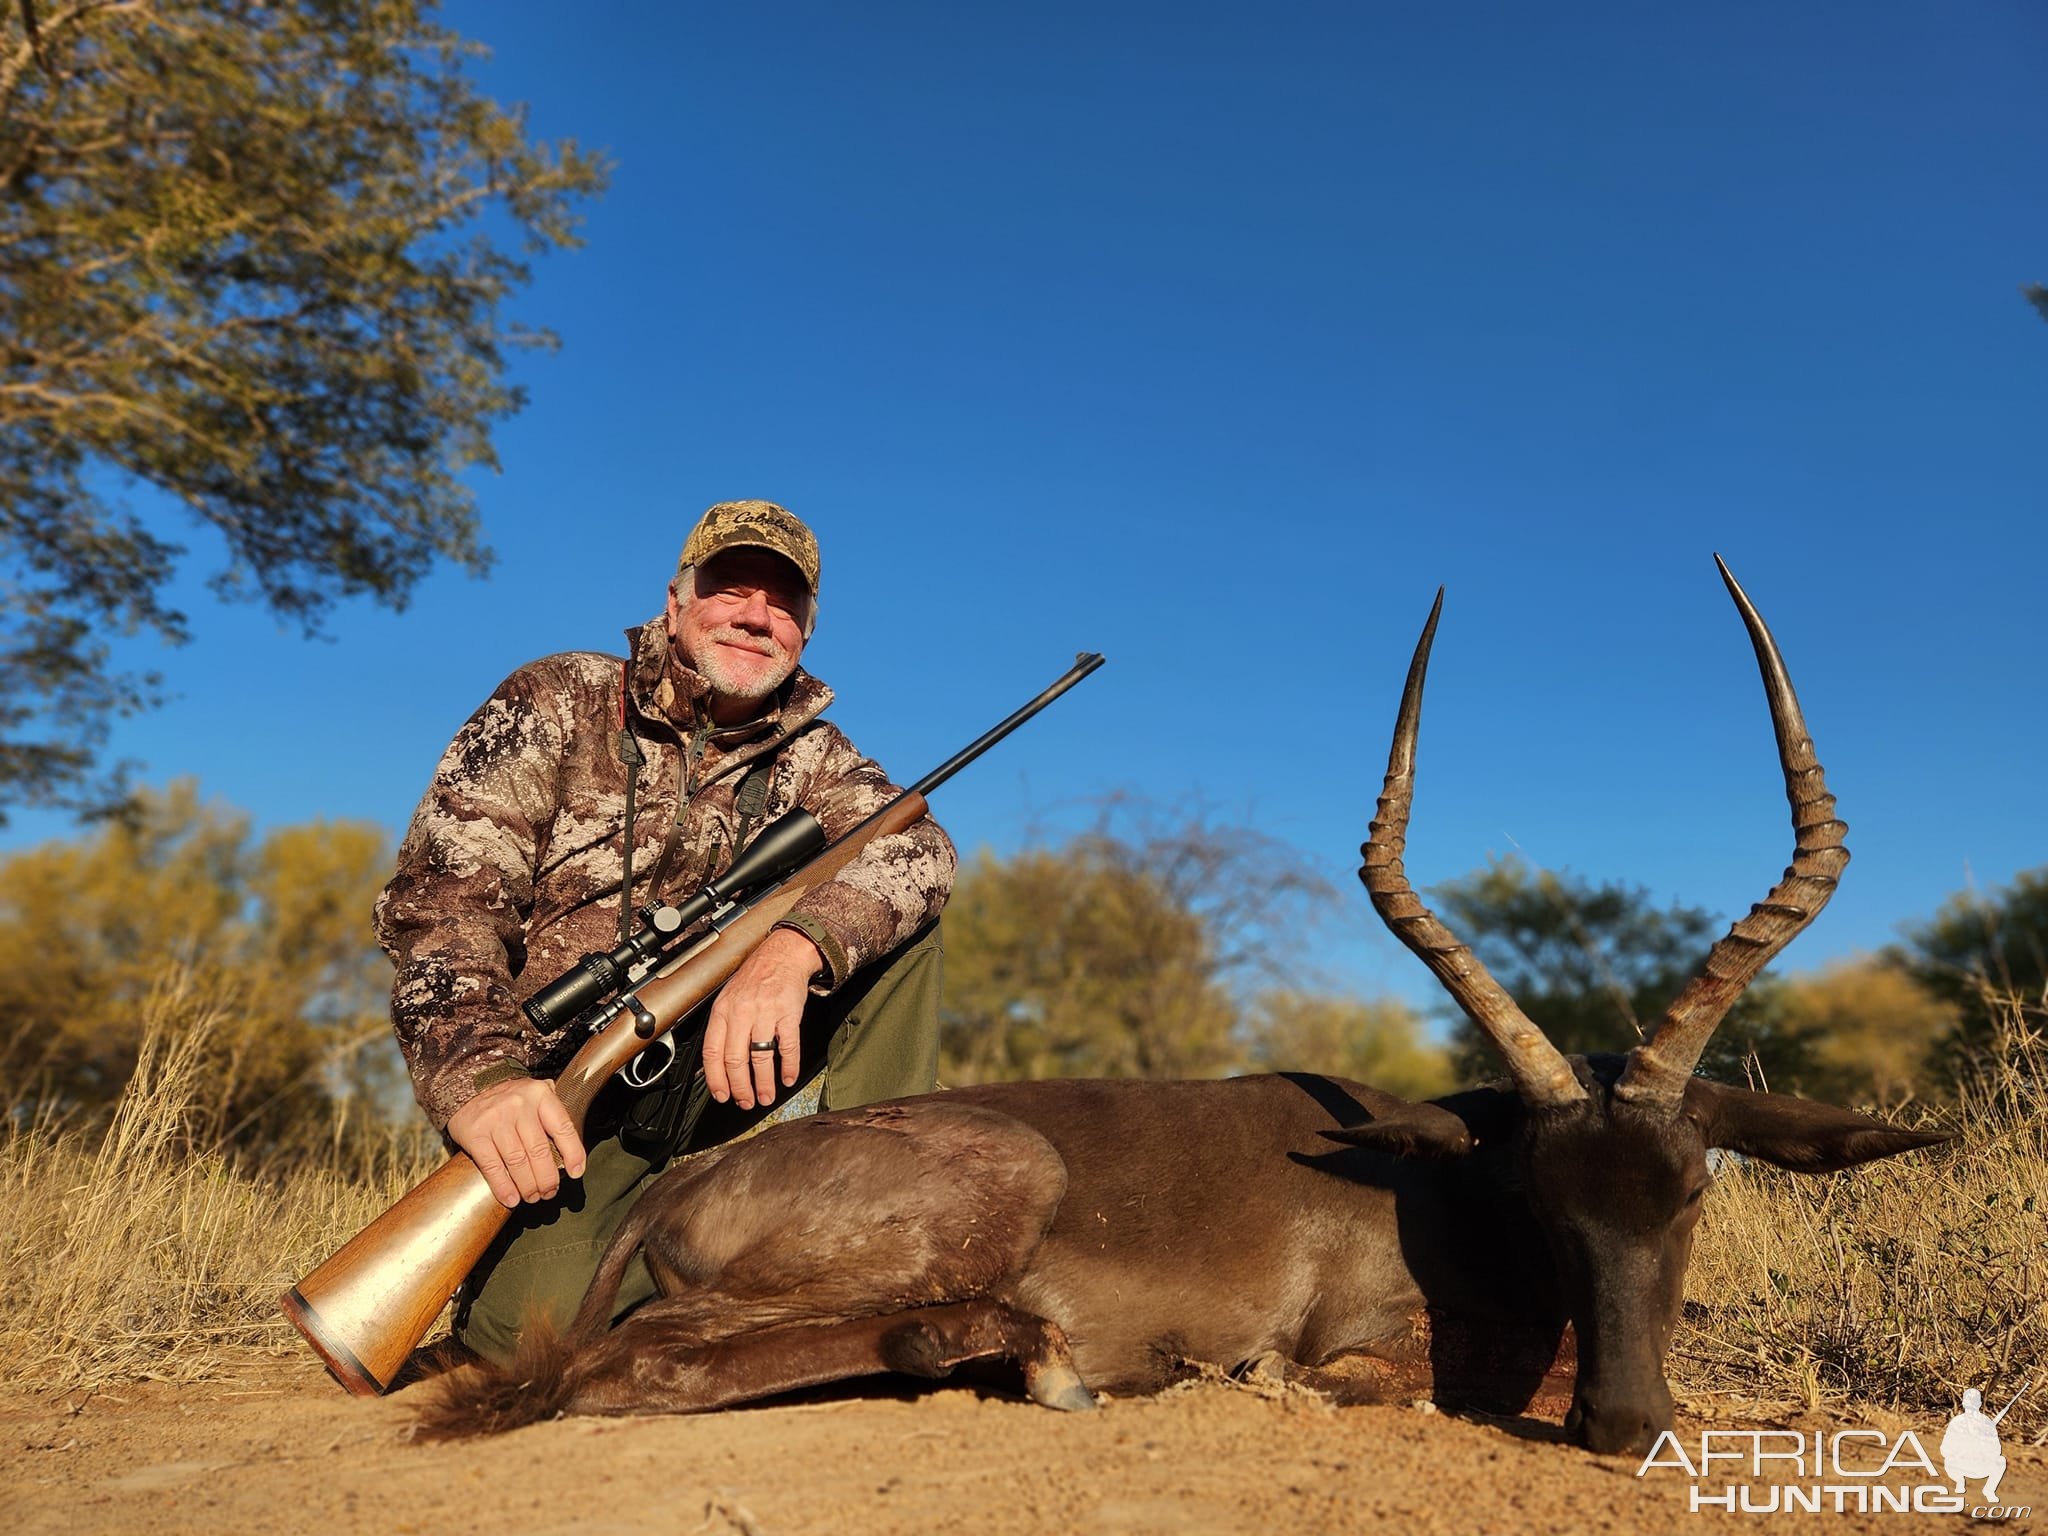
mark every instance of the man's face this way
{"type": "Point", "coordinates": [740, 622]}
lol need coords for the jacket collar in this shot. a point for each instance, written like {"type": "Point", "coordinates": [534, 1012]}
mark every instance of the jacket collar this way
{"type": "Point", "coordinates": [668, 690]}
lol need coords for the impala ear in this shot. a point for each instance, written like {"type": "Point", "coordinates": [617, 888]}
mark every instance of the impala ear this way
{"type": "Point", "coordinates": [1448, 1127]}
{"type": "Point", "coordinates": [1796, 1133]}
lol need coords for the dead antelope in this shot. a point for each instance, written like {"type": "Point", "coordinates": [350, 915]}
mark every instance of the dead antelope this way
{"type": "Point", "coordinates": [1105, 1234]}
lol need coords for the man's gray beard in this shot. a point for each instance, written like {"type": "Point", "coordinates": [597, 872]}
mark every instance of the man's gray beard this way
{"type": "Point", "coordinates": [712, 667]}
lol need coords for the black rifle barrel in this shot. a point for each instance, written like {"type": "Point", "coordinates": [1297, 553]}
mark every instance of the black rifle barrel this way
{"type": "Point", "coordinates": [1084, 663]}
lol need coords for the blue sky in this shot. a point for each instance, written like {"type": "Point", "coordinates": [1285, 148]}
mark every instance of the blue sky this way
{"type": "Point", "coordinates": [1214, 337]}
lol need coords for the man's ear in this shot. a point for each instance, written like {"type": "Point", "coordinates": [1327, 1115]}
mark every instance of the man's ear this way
{"type": "Point", "coordinates": [1796, 1133]}
{"type": "Point", "coordinates": [1447, 1127]}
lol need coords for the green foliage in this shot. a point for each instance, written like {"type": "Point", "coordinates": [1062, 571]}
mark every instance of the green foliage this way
{"type": "Point", "coordinates": [232, 268]}
{"type": "Point", "coordinates": [1987, 955]}
{"type": "Point", "coordinates": [2037, 295]}
{"type": "Point", "coordinates": [280, 927]}
{"type": "Point", "coordinates": [1594, 966]}
{"type": "Point", "coordinates": [1380, 1043]}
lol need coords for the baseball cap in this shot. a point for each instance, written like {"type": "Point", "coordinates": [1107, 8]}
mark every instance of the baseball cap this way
{"type": "Point", "coordinates": [754, 525]}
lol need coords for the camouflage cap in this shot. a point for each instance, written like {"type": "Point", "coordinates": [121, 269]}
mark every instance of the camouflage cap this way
{"type": "Point", "coordinates": [754, 525]}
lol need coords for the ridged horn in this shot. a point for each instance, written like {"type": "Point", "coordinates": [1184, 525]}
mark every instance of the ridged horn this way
{"type": "Point", "coordinates": [1542, 1076]}
{"type": "Point", "coordinates": [1657, 1069]}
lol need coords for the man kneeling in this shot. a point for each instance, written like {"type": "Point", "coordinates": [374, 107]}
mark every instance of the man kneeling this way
{"type": "Point", "coordinates": [514, 867]}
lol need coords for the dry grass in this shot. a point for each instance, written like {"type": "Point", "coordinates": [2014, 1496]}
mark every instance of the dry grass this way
{"type": "Point", "coordinates": [147, 1250]}
{"type": "Point", "coordinates": [153, 1250]}
{"type": "Point", "coordinates": [1900, 1283]}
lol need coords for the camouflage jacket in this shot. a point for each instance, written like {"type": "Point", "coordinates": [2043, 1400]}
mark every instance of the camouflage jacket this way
{"type": "Point", "coordinates": [510, 870]}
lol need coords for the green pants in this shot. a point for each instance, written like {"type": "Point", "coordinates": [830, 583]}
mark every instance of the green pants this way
{"type": "Point", "coordinates": [877, 1037]}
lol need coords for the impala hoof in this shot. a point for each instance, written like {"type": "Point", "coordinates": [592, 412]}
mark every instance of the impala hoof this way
{"type": "Point", "coordinates": [1059, 1386]}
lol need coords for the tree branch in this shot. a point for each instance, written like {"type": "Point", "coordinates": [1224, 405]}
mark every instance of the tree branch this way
{"type": "Point", "coordinates": [30, 52]}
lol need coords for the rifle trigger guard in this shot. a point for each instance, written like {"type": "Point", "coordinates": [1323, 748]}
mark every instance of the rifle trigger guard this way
{"type": "Point", "coordinates": [639, 1075]}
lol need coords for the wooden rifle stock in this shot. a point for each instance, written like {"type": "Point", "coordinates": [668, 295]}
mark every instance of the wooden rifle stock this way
{"type": "Point", "coordinates": [368, 1306]}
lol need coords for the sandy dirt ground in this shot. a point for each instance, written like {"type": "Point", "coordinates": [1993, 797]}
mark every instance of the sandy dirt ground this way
{"type": "Point", "coordinates": [273, 1446]}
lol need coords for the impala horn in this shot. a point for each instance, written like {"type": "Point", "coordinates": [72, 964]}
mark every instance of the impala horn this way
{"type": "Point", "coordinates": [1658, 1069]}
{"type": "Point", "coordinates": [1542, 1075]}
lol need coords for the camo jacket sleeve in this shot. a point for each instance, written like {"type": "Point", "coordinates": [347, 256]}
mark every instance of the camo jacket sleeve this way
{"type": "Point", "coordinates": [895, 887]}
{"type": "Point", "coordinates": [454, 914]}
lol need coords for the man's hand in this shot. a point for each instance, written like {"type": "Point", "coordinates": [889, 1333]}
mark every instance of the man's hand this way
{"type": "Point", "coordinates": [764, 1001]}
{"type": "Point", "coordinates": [513, 1132]}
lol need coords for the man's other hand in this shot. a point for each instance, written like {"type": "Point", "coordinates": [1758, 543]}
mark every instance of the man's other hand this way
{"type": "Point", "coordinates": [763, 1001]}
{"type": "Point", "coordinates": [514, 1131]}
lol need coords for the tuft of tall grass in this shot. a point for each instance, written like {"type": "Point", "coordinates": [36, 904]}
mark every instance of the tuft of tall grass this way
{"type": "Point", "coordinates": [149, 1249]}
{"type": "Point", "coordinates": [1899, 1283]}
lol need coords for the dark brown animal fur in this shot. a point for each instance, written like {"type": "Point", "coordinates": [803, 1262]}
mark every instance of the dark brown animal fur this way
{"type": "Point", "coordinates": [1110, 1232]}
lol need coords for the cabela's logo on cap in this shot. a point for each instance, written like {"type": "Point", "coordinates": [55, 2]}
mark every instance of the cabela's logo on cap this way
{"type": "Point", "coordinates": [754, 525]}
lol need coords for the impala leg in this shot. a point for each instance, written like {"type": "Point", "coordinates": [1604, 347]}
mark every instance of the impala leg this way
{"type": "Point", "coordinates": [653, 1363]}
{"type": "Point", "coordinates": [933, 1340]}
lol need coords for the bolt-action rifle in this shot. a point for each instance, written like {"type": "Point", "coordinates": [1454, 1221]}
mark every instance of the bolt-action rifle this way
{"type": "Point", "coordinates": [369, 1305]}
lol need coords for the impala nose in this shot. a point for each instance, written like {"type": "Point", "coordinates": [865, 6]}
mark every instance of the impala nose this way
{"type": "Point", "coordinates": [1629, 1423]}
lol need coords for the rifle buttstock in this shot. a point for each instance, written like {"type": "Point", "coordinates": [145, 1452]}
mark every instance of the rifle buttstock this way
{"type": "Point", "coordinates": [367, 1307]}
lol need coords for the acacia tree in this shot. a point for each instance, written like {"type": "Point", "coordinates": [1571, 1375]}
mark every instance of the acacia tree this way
{"type": "Point", "coordinates": [233, 268]}
{"type": "Point", "coordinates": [1878, 1036]}
{"type": "Point", "coordinates": [1075, 964]}
{"type": "Point", "coordinates": [1122, 952]}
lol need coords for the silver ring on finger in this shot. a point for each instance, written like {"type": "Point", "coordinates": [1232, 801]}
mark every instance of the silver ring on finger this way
{"type": "Point", "coordinates": [760, 1045]}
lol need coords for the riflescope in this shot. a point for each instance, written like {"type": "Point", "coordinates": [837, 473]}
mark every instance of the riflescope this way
{"type": "Point", "coordinates": [783, 844]}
